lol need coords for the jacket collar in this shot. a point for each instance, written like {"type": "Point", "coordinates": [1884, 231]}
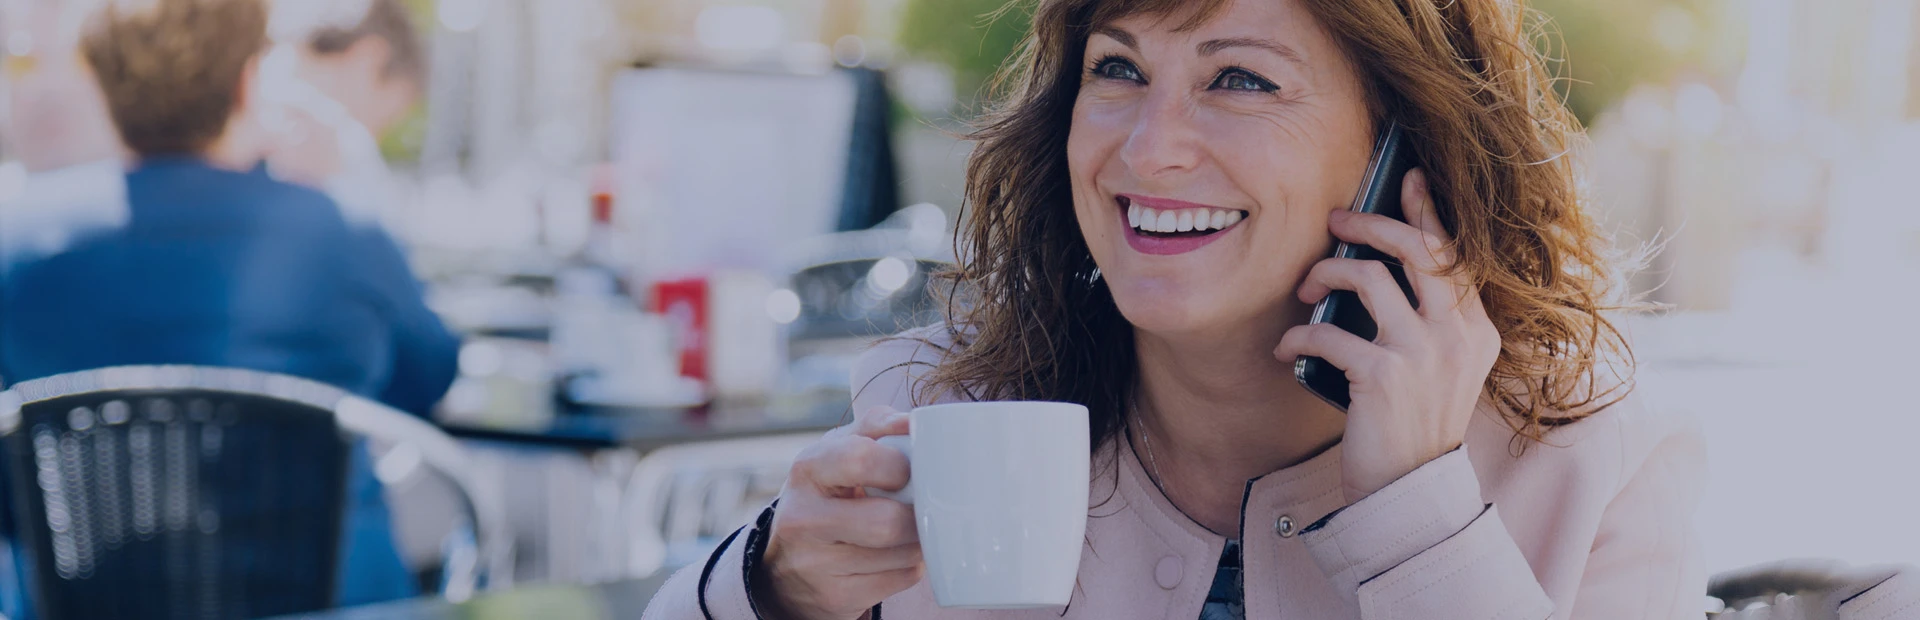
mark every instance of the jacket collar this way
{"type": "Point", "coordinates": [1305, 492]}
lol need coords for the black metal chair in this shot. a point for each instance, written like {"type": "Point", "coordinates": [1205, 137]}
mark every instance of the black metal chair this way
{"type": "Point", "coordinates": [1807, 589]}
{"type": "Point", "coordinates": [190, 492]}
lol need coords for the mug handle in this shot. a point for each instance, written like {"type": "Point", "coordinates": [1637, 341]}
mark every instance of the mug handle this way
{"type": "Point", "coordinates": [903, 443]}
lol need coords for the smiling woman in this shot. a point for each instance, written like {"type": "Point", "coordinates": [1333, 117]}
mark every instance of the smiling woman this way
{"type": "Point", "coordinates": [1291, 110]}
{"type": "Point", "coordinates": [1152, 206]}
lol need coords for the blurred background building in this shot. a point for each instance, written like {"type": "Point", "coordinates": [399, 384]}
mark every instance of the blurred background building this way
{"type": "Point", "coordinates": [573, 152]}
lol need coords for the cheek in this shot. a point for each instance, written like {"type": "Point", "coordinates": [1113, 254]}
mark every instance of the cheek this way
{"type": "Point", "coordinates": [1296, 169]}
{"type": "Point", "coordinates": [1292, 236]}
{"type": "Point", "coordinates": [1092, 144]}
{"type": "Point", "coordinates": [1290, 181]}
{"type": "Point", "coordinates": [1095, 135]}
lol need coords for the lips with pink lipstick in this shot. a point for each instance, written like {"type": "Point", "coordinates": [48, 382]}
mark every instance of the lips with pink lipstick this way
{"type": "Point", "coordinates": [1164, 226]}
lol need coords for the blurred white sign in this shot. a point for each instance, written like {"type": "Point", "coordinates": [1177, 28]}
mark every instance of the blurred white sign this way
{"type": "Point", "coordinates": [726, 168]}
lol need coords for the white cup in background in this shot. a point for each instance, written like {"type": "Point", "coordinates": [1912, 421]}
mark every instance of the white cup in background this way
{"type": "Point", "coordinates": [999, 491]}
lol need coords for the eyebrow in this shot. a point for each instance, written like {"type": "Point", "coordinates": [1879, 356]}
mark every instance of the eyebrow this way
{"type": "Point", "coordinates": [1124, 37]}
{"type": "Point", "coordinates": [1210, 48]}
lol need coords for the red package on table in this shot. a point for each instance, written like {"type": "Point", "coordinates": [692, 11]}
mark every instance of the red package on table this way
{"type": "Point", "coordinates": [685, 303]}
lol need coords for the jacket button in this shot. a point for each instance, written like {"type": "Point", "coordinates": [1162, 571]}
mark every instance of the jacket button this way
{"type": "Point", "coordinates": [1284, 527]}
{"type": "Point", "coordinates": [1168, 572]}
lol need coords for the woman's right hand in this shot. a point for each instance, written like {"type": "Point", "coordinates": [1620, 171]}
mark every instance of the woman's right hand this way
{"type": "Point", "coordinates": [835, 552]}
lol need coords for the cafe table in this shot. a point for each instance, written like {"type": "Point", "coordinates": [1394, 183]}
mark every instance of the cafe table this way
{"type": "Point", "coordinates": [583, 462]}
{"type": "Point", "coordinates": [646, 429]}
{"type": "Point", "coordinates": [604, 601]}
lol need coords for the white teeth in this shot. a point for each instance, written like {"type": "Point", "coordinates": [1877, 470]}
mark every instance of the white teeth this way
{"type": "Point", "coordinates": [1181, 220]}
{"type": "Point", "coordinates": [1167, 222]}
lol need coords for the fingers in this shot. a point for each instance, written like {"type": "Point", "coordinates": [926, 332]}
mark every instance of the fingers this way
{"type": "Point", "coordinates": [851, 595]}
{"type": "Point", "coordinates": [1422, 253]}
{"type": "Point", "coordinates": [858, 561]}
{"type": "Point", "coordinates": [1414, 247]}
{"type": "Point", "coordinates": [1370, 279]}
{"type": "Point", "coordinates": [841, 580]}
{"type": "Point", "coordinates": [894, 581]}
{"type": "Point", "coordinates": [834, 551]}
{"type": "Point", "coordinates": [851, 462]}
{"type": "Point", "coordinates": [843, 560]}
{"type": "Point", "coordinates": [1421, 243]}
{"type": "Point", "coordinates": [867, 523]}
{"type": "Point", "coordinates": [890, 582]}
{"type": "Point", "coordinates": [1416, 200]}
{"type": "Point", "coordinates": [875, 523]}
{"type": "Point", "coordinates": [879, 422]}
{"type": "Point", "coordinates": [1329, 342]}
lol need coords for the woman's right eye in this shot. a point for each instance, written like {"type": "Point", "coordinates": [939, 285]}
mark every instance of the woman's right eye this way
{"type": "Point", "coordinates": [1117, 69]}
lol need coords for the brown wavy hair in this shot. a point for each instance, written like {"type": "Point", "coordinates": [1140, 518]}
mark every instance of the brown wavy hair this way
{"type": "Point", "coordinates": [1030, 317]}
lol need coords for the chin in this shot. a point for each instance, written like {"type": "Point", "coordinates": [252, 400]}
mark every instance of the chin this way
{"type": "Point", "coordinates": [1168, 305]}
{"type": "Point", "coordinates": [1192, 306]}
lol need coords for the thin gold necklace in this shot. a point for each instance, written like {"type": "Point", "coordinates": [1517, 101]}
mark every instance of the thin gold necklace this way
{"type": "Point", "coordinates": [1153, 465]}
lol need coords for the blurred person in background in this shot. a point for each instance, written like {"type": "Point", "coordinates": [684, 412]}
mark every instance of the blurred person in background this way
{"type": "Point", "coordinates": [59, 131]}
{"type": "Point", "coordinates": [357, 70]}
{"type": "Point", "coordinates": [57, 118]}
{"type": "Point", "coordinates": [221, 265]}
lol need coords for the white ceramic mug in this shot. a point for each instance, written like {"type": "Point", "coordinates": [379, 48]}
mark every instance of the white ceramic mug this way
{"type": "Point", "coordinates": [999, 491]}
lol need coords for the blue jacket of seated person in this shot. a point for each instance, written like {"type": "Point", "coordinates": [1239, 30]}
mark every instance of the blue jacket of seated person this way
{"type": "Point", "coordinates": [198, 265]}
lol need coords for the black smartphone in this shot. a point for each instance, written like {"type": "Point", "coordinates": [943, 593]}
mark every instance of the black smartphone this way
{"type": "Point", "coordinates": [1379, 193]}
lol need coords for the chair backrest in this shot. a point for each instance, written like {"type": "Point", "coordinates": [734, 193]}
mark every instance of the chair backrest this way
{"type": "Point", "coordinates": [1809, 589]}
{"type": "Point", "coordinates": [681, 500]}
{"type": "Point", "coordinates": [176, 492]}
{"type": "Point", "coordinates": [487, 561]}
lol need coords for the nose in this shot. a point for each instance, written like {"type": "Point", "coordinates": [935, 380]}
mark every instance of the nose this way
{"type": "Point", "coordinates": [1164, 140]}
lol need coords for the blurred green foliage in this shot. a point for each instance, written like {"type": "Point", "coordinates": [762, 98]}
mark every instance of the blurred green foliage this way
{"type": "Point", "coordinates": [970, 36]}
{"type": "Point", "coordinates": [404, 141]}
{"type": "Point", "coordinates": [1602, 47]}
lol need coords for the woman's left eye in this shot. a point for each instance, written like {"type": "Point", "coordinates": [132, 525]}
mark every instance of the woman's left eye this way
{"type": "Point", "coordinates": [1241, 79]}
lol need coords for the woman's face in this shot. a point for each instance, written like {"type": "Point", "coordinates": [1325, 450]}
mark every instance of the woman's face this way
{"type": "Point", "coordinates": [1205, 162]}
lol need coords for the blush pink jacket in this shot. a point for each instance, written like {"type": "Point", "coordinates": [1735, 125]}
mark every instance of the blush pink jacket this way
{"type": "Point", "coordinates": [1596, 524]}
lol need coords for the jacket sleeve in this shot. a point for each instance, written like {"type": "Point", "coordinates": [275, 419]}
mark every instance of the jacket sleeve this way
{"type": "Point", "coordinates": [1645, 561]}
{"type": "Point", "coordinates": [714, 590]}
{"type": "Point", "coordinates": [883, 376]}
{"type": "Point", "coordinates": [425, 354]}
{"type": "Point", "coordinates": [1427, 546]}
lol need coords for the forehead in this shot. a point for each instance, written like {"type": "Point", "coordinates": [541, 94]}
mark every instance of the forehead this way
{"type": "Point", "coordinates": [1285, 21]}
{"type": "Point", "coordinates": [1285, 26]}
{"type": "Point", "coordinates": [1182, 15]}
{"type": "Point", "coordinates": [1203, 27]}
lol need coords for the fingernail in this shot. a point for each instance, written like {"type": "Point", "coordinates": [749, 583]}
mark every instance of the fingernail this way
{"type": "Point", "coordinates": [1339, 215]}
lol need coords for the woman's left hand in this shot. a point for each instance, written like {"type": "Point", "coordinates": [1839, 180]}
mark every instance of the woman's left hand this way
{"type": "Point", "coordinates": [1414, 387]}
